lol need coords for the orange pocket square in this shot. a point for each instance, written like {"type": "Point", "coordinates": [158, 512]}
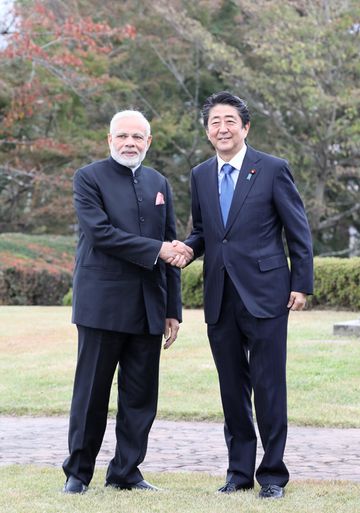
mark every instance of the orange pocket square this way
{"type": "Point", "coordinates": [160, 200]}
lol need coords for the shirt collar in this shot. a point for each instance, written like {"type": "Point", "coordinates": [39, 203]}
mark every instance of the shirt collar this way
{"type": "Point", "coordinates": [133, 169]}
{"type": "Point", "coordinates": [236, 161]}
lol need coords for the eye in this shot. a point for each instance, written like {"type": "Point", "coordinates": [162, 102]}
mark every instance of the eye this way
{"type": "Point", "coordinates": [139, 137]}
{"type": "Point", "coordinates": [121, 136]}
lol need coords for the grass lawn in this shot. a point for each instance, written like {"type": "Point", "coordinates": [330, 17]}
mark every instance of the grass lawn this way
{"type": "Point", "coordinates": [38, 355]}
{"type": "Point", "coordinates": [33, 489]}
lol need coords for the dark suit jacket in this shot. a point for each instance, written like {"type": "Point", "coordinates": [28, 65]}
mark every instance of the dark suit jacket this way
{"type": "Point", "coordinates": [251, 247]}
{"type": "Point", "coordinates": [121, 229]}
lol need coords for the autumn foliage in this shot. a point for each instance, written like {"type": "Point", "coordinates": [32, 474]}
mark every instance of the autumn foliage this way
{"type": "Point", "coordinates": [54, 68]}
{"type": "Point", "coordinates": [67, 67]}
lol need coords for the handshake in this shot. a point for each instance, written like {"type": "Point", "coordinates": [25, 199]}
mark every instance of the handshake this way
{"type": "Point", "coordinates": [176, 253]}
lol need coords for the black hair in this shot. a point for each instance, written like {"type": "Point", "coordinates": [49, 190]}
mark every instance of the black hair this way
{"type": "Point", "coordinates": [225, 98]}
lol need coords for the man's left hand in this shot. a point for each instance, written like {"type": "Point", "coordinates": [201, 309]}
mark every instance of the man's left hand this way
{"type": "Point", "coordinates": [171, 330]}
{"type": "Point", "coordinates": [297, 301]}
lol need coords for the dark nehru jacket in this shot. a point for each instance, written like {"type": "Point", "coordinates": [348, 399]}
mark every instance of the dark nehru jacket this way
{"type": "Point", "coordinates": [123, 223]}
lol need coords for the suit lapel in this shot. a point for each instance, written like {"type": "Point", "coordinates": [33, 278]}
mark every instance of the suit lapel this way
{"type": "Point", "coordinates": [249, 172]}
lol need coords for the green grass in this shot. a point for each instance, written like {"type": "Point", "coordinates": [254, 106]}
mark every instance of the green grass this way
{"type": "Point", "coordinates": [38, 355]}
{"type": "Point", "coordinates": [28, 489]}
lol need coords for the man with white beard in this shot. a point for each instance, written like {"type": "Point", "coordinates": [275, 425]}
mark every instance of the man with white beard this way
{"type": "Point", "coordinates": [125, 298]}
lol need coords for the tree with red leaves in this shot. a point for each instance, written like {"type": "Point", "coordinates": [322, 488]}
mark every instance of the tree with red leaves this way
{"type": "Point", "coordinates": [55, 73]}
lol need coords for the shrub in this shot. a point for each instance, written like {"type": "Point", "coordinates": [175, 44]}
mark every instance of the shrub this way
{"type": "Point", "coordinates": [23, 286]}
{"type": "Point", "coordinates": [67, 299]}
{"type": "Point", "coordinates": [337, 284]}
{"type": "Point", "coordinates": [35, 270]}
{"type": "Point", "coordinates": [192, 285]}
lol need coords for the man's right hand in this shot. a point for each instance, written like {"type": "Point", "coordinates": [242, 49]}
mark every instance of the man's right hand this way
{"type": "Point", "coordinates": [176, 253]}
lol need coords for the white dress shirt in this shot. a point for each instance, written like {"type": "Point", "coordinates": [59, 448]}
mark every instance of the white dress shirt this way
{"type": "Point", "coordinates": [236, 162]}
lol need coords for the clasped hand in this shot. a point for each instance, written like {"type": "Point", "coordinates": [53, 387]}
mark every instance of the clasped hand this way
{"type": "Point", "coordinates": [176, 253]}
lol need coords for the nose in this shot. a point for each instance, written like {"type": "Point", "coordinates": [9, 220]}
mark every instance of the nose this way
{"type": "Point", "coordinates": [129, 141]}
{"type": "Point", "coordinates": [223, 127]}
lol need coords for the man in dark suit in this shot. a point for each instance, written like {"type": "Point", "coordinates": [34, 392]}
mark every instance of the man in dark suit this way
{"type": "Point", "coordinates": [242, 202]}
{"type": "Point", "coordinates": [125, 297]}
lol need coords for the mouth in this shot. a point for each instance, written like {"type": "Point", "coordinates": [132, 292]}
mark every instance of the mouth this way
{"type": "Point", "coordinates": [129, 154]}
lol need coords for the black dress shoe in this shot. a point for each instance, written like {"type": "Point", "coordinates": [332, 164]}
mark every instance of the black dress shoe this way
{"type": "Point", "coordinates": [144, 485]}
{"type": "Point", "coordinates": [141, 485]}
{"type": "Point", "coordinates": [230, 487]}
{"type": "Point", "coordinates": [74, 485]}
{"type": "Point", "coordinates": [271, 491]}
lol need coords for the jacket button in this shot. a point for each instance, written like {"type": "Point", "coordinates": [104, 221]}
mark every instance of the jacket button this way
{"type": "Point", "coordinates": [140, 198]}
{"type": "Point", "coordinates": [135, 180]}
{"type": "Point", "coordinates": [225, 241]}
{"type": "Point", "coordinates": [142, 219]}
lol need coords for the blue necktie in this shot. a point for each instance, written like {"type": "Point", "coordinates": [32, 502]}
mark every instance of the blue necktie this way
{"type": "Point", "coordinates": [226, 191]}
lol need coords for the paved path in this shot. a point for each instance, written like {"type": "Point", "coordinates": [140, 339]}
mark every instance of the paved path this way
{"type": "Point", "coordinates": [311, 453]}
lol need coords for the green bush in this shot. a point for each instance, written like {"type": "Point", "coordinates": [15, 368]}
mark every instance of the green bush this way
{"type": "Point", "coordinates": [192, 285]}
{"type": "Point", "coordinates": [67, 299]}
{"type": "Point", "coordinates": [24, 286]}
{"type": "Point", "coordinates": [35, 269]}
{"type": "Point", "coordinates": [337, 284]}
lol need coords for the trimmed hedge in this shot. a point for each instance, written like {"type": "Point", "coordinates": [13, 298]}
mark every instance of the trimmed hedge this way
{"type": "Point", "coordinates": [23, 286]}
{"type": "Point", "coordinates": [192, 285]}
{"type": "Point", "coordinates": [67, 299]}
{"type": "Point", "coordinates": [337, 284]}
{"type": "Point", "coordinates": [35, 269]}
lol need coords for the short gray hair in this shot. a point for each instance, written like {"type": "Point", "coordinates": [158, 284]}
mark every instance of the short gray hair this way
{"type": "Point", "coordinates": [129, 112]}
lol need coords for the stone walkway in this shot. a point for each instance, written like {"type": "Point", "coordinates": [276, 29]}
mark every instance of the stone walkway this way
{"type": "Point", "coordinates": [311, 453]}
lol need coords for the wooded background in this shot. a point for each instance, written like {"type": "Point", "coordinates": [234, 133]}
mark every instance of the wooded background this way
{"type": "Point", "coordinates": [67, 67]}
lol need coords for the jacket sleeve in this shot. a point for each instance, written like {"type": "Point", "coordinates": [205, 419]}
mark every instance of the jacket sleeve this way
{"type": "Point", "coordinates": [297, 231]}
{"type": "Point", "coordinates": [196, 238]}
{"type": "Point", "coordinates": [174, 307]}
{"type": "Point", "coordinates": [101, 234]}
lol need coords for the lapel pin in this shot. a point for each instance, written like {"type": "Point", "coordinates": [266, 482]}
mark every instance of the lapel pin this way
{"type": "Point", "coordinates": [251, 173]}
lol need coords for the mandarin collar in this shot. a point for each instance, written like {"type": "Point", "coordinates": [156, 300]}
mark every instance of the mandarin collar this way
{"type": "Point", "coordinates": [123, 169]}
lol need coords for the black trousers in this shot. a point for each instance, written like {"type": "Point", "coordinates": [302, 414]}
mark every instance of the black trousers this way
{"type": "Point", "coordinates": [250, 356]}
{"type": "Point", "coordinates": [137, 358]}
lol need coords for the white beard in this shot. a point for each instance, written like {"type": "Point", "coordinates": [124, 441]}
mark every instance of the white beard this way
{"type": "Point", "coordinates": [127, 162]}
